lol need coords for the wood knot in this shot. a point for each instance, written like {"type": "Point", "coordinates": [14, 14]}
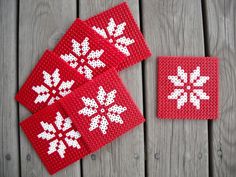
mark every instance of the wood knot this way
{"type": "Point", "coordinates": [55, 37]}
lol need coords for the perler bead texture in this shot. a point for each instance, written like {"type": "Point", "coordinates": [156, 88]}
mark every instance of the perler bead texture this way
{"type": "Point", "coordinates": [50, 80]}
{"type": "Point", "coordinates": [118, 26]}
{"type": "Point", "coordinates": [93, 115]}
{"type": "Point", "coordinates": [102, 109]}
{"type": "Point", "coordinates": [187, 88]}
{"type": "Point", "coordinates": [86, 51]}
{"type": "Point", "coordinates": [54, 138]}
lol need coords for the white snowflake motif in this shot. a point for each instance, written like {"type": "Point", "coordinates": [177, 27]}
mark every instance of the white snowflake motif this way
{"type": "Point", "coordinates": [53, 88]}
{"type": "Point", "coordinates": [102, 110]}
{"type": "Point", "coordinates": [115, 34]}
{"type": "Point", "coordinates": [84, 60]}
{"type": "Point", "coordinates": [192, 88]}
{"type": "Point", "coordinates": [60, 134]}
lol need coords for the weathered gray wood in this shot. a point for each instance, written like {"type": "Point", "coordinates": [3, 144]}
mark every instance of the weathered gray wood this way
{"type": "Point", "coordinates": [9, 154]}
{"type": "Point", "coordinates": [174, 147]}
{"type": "Point", "coordinates": [41, 25]}
{"type": "Point", "coordinates": [124, 156]}
{"type": "Point", "coordinates": [221, 38]}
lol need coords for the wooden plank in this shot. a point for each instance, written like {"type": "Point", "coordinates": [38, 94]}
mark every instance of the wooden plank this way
{"type": "Point", "coordinates": [174, 147]}
{"type": "Point", "coordinates": [41, 25]}
{"type": "Point", "coordinates": [221, 23]}
{"type": "Point", "coordinates": [9, 154]}
{"type": "Point", "coordinates": [124, 156]}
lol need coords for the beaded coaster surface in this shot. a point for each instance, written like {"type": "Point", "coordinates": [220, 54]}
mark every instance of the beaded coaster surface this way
{"type": "Point", "coordinates": [93, 115]}
{"type": "Point", "coordinates": [50, 80]}
{"type": "Point", "coordinates": [118, 26]}
{"type": "Point", "coordinates": [102, 109]}
{"type": "Point", "coordinates": [54, 137]}
{"type": "Point", "coordinates": [187, 87]}
{"type": "Point", "coordinates": [86, 51]}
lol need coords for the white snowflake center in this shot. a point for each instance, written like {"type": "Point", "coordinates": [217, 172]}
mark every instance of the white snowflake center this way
{"type": "Point", "coordinates": [60, 135]}
{"type": "Point", "coordinates": [82, 60]}
{"type": "Point", "coordinates": [184, 92]}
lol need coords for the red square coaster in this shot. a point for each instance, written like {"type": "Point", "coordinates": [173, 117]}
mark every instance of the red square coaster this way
{"type": "Point", "coordinates": [86, 51]}
{"type": "Point", "coordinates": [50, 80]}
{"type": "Point", "coordinates": [187, 87]}
{"type": "Point", "coordinates": [118, 26]}
{"type": "Point", "coordinates": [54, 138]}
{"type": "Point", "coordinates": [102, 110]}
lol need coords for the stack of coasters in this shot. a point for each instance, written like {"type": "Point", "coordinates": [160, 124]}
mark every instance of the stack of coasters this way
{"type": "Point", "coordinates": [89, 58]}
{"type": "Point", "coordinates": [79, 102]}
{"type": "Point", "coordinates": [93, 115]}
{"type": "Point", "coordinates": [86, 51]}
{"type": "Point", "coordinates": [187, 88]}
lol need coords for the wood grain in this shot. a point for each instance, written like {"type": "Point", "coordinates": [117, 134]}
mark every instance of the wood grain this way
{"type": "Point", "coordinates": [124, 156]}
{"type": "Point", "coordinates": [41, 24]}
{"type": "Point", "coordinates": [221, 23]}
{"type": "Point", "coordinates": [9, 153]}
{"type": "Point", "coordinates": [174, 147]}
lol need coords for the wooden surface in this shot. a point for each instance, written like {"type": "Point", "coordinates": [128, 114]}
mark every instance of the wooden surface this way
{"type": "Point", "coordinates": [9, 138]}
{"type": "Point", "coordinates": [221, 37]}
{"type": "Point", "coordinates": [174, 147]}
{"type": "Point", "coordinates": [160, 148]}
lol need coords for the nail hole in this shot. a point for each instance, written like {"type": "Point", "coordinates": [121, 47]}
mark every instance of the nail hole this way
{"type": "Point", "coordinates": [93, 157]}
{"type": "Point", "coordinates": [28, 157]}
{"type": "Point", "coordinates": [220, 153]}
{"type": "Point", "coordinates": [8, 157]}
{"type": "Point", "coordinates": [199, 155]}
{"type": "Point", "coordinates": [157, 156]}
{"type": "Point", "coordinates": [136, 156]}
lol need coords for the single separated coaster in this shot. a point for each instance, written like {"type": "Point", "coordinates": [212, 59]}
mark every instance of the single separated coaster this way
{"type": "Point", "coordinates": [118, 26]}
{"type": "Point", "coordinates": [86, 51]}
{"type": "Point", "coordinates": [93, 115]}
{"type": "Point", "coordinates": [187, 87]}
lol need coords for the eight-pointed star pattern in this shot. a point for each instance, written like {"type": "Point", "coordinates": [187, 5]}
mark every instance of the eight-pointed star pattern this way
{"type": "Point", "coordinates": [52, 88]}
{"type": "Point", "coordinates": [60, 135]}
{"type": "Point", "coordinates": [102, 108]}
{"type": "Point", "coordinates": [115, 34]}
{"type": "Point", "coordinates": [183, 86]}
{"type": "Point", "coordinates": [84, 59]}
